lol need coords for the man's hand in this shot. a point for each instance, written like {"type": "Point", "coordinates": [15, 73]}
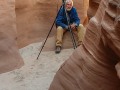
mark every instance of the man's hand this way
{"type": "Point", "coordinates": [72, 26]}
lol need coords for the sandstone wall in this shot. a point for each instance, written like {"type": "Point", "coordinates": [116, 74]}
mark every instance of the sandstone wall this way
{"type": "Point", "coordinates": [92, 65]}
{"type": "Point", "coordinates": [93, 6]}
{"type": "Point", "coordinates": [9, 56]}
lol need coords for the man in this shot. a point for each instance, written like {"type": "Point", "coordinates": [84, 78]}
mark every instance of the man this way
{"type": "Point", "coordinates": [62, 24]}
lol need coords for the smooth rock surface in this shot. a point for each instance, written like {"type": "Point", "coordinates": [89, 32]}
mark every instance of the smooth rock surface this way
{"type": "Point", "coordinates": [10, 58]}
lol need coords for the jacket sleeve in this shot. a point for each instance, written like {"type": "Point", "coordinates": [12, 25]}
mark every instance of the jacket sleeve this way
{"type": "Point", "coordinates": [76, 18]}
{"type": "Point", "coordinates": [59, 19]}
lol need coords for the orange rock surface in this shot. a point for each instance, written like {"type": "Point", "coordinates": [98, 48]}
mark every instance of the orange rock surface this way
{"type": "Point", "coordinates": [9, 56]}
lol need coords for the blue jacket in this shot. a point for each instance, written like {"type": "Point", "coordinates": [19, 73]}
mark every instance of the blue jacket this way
{"type": "Point", "coordinates": [61, 19]}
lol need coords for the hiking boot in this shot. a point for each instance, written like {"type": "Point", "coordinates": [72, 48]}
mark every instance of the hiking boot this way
{"type": "Point", "coordinates": [58, 49]}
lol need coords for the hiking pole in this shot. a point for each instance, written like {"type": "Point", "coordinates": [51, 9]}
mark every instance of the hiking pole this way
{"type": "Point", "coordinates": [69, 28]}
{"type": "Point", "coordinates": [48, 34]}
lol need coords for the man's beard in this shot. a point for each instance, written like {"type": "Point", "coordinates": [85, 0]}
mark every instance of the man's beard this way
{"type": "Point", "coordinates": [68, 9]}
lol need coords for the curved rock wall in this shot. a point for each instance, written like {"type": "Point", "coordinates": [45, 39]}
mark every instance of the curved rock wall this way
{"type": "Point", "coordinates": [9, 56]}
{"type": "Point", "coordinates": [35, 18]}
{"type": "Point", "coordinates": [95, 64]}
{"type": "Point", "coordinates": [93, 6]}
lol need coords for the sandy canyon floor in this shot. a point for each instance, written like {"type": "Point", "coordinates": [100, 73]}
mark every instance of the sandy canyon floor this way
{"type": "Point", "coordinates": [35, 74]}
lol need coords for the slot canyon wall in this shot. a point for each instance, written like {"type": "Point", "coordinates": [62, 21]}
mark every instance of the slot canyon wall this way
{"type": "Point", "coordinates": [95, 65]}
{"type": "Point", "coordinates": [9, 56]}
{"type": "Point", "coordinates": [93, 6]}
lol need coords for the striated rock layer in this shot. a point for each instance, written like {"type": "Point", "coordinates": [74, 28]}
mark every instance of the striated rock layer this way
{"type": "Point", "coordinates": [95, 64]}
{"type": "Point", "coordinates": [9, 56]}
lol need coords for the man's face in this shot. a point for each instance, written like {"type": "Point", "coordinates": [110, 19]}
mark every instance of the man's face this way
{"type": "Point", "coordinates": [68, 6]}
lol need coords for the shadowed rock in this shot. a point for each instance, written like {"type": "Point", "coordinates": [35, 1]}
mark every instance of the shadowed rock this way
{"type": "Point", "coordinates": [93, 6]}
{"type": "Point", "coordinates": [95, 65]}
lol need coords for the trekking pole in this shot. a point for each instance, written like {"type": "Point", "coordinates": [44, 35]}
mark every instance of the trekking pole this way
{"type": "Point", "coordinates": [48, 34]}
{"type": "Point", "coordinates": [69, 28]}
